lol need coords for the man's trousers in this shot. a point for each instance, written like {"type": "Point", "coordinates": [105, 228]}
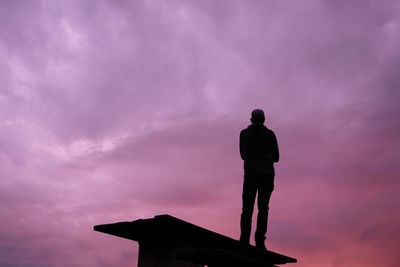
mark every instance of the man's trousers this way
{"type": "Point", "coordinates": [263, 185]}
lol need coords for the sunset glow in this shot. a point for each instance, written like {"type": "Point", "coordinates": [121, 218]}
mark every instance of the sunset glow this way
{"type": "Point", "coordinates": [119, 110]}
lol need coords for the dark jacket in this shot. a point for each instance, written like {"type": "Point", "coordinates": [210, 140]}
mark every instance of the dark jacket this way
{"type": "Point", "coordinates": [258, 149]}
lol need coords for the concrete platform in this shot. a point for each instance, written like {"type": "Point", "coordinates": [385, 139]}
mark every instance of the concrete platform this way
{"type": "Point", "coordinates": [170, 242]}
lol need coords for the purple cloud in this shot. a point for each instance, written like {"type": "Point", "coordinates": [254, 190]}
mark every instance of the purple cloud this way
{"type": "Point", "coordinates": [114, 111]}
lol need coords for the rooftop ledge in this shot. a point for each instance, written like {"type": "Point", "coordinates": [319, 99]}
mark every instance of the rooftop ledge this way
{"type": "Point", "coordinates": [170, 242]}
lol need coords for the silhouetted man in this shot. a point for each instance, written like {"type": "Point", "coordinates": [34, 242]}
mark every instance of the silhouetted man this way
{"type": "Point", "coordinates": [259, 150]}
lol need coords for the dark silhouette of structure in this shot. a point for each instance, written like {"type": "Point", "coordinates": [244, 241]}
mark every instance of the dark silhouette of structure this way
{"type": "Point", "coordinates": [165, 241]}
{"type": "Point", "coordinates": [259, 150]}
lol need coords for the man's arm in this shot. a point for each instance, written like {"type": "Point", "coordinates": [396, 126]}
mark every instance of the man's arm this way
{"type": "Point", "coordinates": [241, 145]}
{"type": "Point", "coordinates": [275, 149]}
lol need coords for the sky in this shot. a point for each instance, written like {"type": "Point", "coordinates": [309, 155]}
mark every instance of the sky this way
{"type": "Point", "coordinates": [119, 110]}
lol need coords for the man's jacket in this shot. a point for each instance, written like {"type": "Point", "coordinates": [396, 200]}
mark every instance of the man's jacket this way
{"type": "Point", "coordinates": [258, 149]}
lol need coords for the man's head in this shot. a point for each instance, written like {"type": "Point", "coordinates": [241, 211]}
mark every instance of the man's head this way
{"type": "Point", "coordinates": [257, 116]}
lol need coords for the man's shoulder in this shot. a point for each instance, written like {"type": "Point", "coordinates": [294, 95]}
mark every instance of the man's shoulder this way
{"type": "Point", "coordinates": [269, 130]}
{"type": "Point", "coordinates": [245, 130]}
{"type": "Point", "coordinates": [251, 128]}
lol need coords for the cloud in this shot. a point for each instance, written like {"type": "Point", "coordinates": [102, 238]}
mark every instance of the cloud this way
{"type": "Point", "coordinates": [122, 110]}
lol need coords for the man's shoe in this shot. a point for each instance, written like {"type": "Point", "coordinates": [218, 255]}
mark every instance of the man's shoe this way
{"type": "Point", "coordinates": [244, 241]}
{"type": "Point", "coordinates": [261, 245]}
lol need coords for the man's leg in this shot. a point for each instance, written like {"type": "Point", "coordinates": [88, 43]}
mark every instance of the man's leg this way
{"type": "Point", "coordinates": [265, 188]}
{"type": "Point", "coordinates": [248, 198]}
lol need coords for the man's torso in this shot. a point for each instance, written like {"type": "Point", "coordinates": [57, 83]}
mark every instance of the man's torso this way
{"type": "Point", "coordinates": [257, 148]}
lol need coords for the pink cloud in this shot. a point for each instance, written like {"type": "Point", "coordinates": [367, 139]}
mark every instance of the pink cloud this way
{"type": "Point", "coordinates": [116, 111]}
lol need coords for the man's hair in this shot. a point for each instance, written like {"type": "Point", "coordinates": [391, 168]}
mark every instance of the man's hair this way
{"type": "Point", "coordinates": [257, 116]}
